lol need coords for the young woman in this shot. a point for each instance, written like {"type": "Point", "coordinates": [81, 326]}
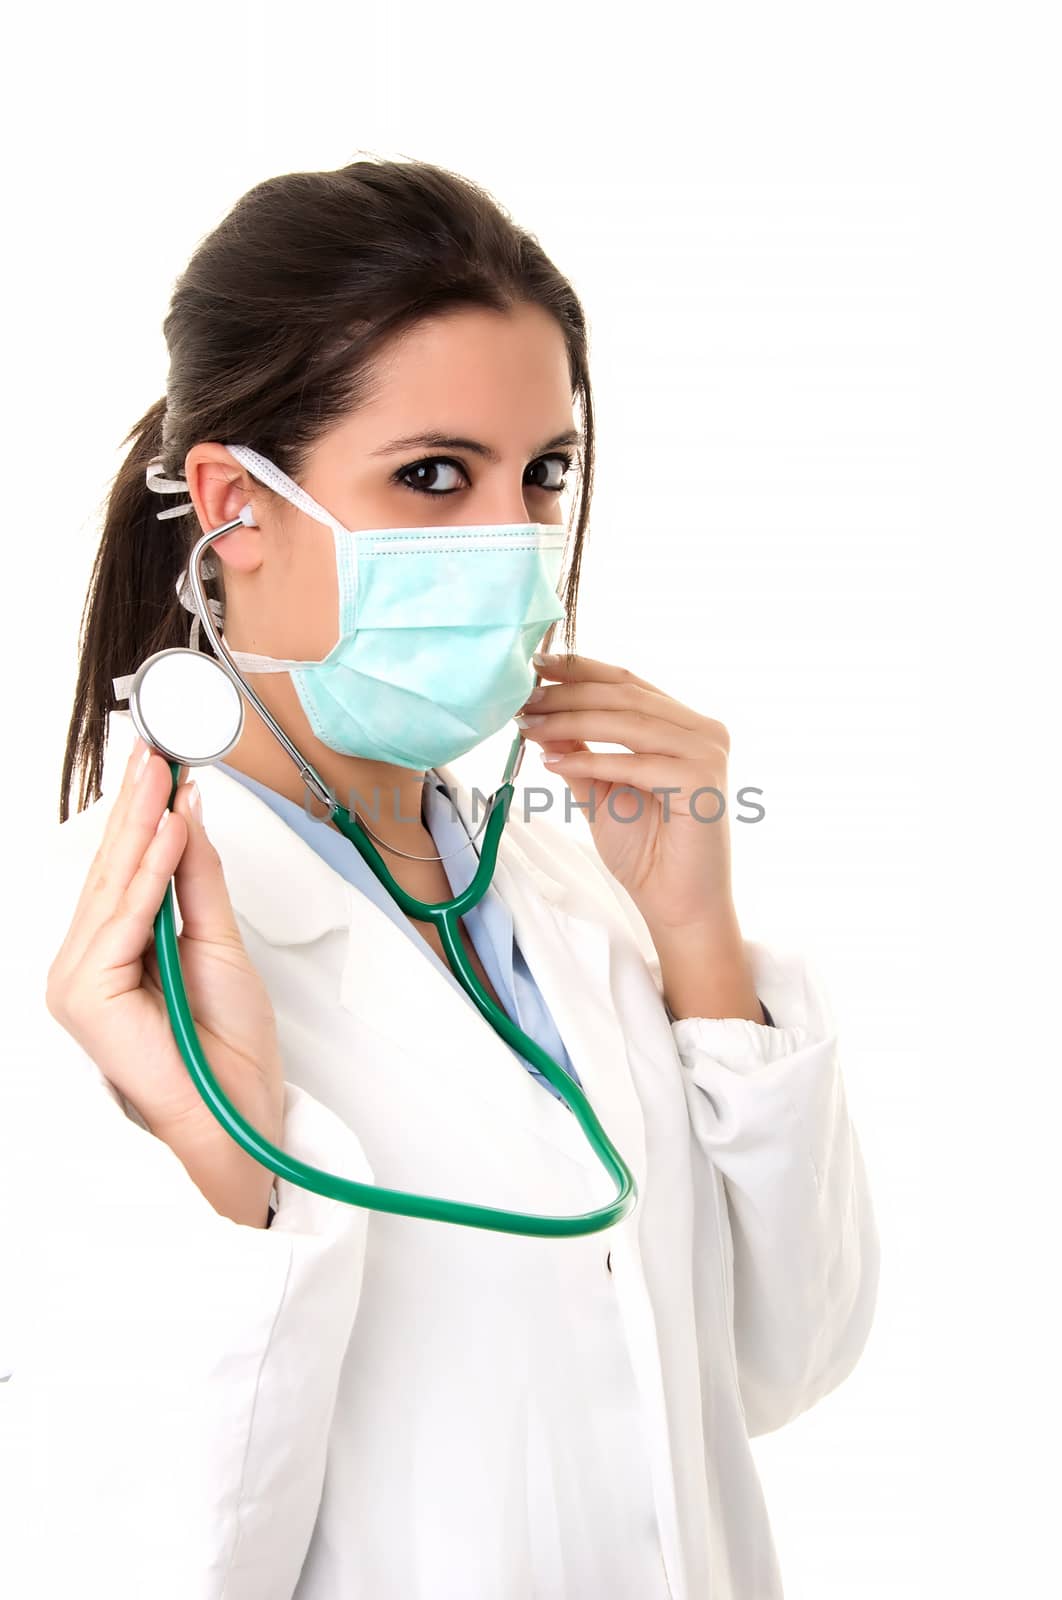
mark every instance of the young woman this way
{"type": "Point", "coordinates": [241, 1388]}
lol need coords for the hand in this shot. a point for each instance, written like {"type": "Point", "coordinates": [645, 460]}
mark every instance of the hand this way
{"type": "Point", "coordinates": [103, 987]}
{"type": "Point", "coordinates": [658, 841]}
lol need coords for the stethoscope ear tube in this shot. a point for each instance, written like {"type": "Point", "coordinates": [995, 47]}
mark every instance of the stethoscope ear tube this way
{"type": "Point", "coordinates": [370, 1196]}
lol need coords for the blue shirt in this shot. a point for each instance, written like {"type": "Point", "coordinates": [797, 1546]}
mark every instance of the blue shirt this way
{"type": "Point", "coordinates": [489, 924]}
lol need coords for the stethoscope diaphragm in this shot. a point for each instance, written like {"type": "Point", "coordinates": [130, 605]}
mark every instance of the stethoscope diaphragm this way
{"type": "Point", "coordinates": [185, 706]}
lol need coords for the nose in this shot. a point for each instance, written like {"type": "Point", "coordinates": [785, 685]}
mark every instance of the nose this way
{"type": "Point", "coordinates": [500, 503]}
{"type": "Point", "coordinates": [498, 512]}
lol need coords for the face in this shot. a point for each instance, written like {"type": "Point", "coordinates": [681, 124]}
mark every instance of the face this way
{"type": "Point", "coordinates": [496, 381]}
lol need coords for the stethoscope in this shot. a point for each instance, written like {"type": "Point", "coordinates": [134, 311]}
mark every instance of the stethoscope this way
{"type": "Point", "coordinates": [183, 700]}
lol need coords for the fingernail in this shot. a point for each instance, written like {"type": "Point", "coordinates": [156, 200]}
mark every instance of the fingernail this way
{"type": "Point", "coordinates": [528, 722]}
{"type": "Point", "coordinates": [142, 761]}
{"type": "Point", "coordinates": [536, 694]}
{"type": "Point", "coordinates": [195, 800]}
{"type": "Point", "coordinates": [162, 820]}
{"type": "Point", "coordinates": [541, 657]}
{"type": "Point", "coordinates": [551, 761]}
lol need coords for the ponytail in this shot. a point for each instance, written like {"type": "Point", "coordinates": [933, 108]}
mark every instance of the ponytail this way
{"type": "Point", "coordinates": [131, 609]}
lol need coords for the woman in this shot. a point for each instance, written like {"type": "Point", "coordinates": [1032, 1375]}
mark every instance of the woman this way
{"type": "Point", "coordinates": [251, 1391]}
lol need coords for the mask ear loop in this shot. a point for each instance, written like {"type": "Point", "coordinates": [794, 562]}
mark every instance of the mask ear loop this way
{"type": "Point", "coordinates": [184, 595]}
{"type": "Point", "coordinates": [160, 485]}
{"type": "Point", "coordinates": [268, 473]}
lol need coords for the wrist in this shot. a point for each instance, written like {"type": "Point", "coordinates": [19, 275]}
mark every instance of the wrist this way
{"type": "Point", "coordinates": [706, 972]}
{"type": "Point", "coordinates": [235, 1183]}
{"type": "Point", "coordinates": [716, 938]}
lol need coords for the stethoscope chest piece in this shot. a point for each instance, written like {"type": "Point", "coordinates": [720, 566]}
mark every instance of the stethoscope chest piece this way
{"type": "Point", "coordinates": [185, 705]}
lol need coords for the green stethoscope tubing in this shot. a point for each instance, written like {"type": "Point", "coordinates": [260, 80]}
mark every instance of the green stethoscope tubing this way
{"type": "Point", "coordinates": [444, 916]}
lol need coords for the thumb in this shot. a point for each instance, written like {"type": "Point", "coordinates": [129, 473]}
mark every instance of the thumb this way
{"type": "Point", "coordinates": [199, 881]}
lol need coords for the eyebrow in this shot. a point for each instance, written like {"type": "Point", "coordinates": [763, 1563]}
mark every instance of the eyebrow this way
{"type": "Point", "coordinates": [435, 439]}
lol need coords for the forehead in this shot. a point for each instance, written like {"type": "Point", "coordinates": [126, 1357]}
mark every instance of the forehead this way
{"type": "Point", "coordinates": [495, 375]}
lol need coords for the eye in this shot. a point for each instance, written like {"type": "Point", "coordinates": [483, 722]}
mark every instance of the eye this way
{"type": "Point", "coordinates": [425, 474]}
{"type": "Point", "coordinates": [565, 462]}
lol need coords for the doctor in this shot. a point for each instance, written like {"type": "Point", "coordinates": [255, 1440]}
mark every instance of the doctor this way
{"type": "Point", "coordinates": [242, 1389]}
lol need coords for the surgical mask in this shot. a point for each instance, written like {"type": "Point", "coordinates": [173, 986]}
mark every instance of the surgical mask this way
{"type": "Point", "coordinates": [436, 630]}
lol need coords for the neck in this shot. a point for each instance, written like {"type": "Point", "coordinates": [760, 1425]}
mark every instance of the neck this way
{"type": "Point", "coordinates": [386, 797]}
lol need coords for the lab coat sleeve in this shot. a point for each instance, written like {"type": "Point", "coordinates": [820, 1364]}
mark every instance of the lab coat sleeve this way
{"type": "Point", "coordinates": [768, 1109]}
{"type": "Point", "coordinates": [174, 1372]}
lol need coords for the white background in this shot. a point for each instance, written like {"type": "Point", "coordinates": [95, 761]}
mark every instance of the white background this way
{"type": "Point", "coordinates": [775, 218]}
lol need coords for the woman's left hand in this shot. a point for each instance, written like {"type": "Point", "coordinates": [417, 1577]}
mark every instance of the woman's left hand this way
{"type": "Point", "coordinates": [661, 842]}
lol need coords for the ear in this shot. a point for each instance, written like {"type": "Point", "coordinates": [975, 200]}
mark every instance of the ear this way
{"type": "Point", "coordinates": [221, 490]}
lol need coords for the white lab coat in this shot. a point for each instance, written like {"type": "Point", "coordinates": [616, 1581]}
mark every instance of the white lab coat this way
{"type": "Point", "coordinates": [357, 1406]}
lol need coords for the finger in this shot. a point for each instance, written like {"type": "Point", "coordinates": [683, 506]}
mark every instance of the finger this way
{"type": "Point", "coordinates": [579, 788]}
{"type": "Point", "coordinates": [139, 757]}
{"type": "Point", "coordinates": [593, 695]}
{"type": "Point", "coordinates": [577, 669]}
{"type": "Point", "coordinates": [129, 831]}
{"type": "Point", "coordinates": [134, 765]}
{"type": "Point", "coordinates": [564, 747]}
{"type": "Point", "coordinates": [641, 732]}
{"type": "Point", "coordinates": [111, 964]}
{"type": "Point", "coordinates": [646, 772]}
{"type": "Point", "coordinates": [202, 893]}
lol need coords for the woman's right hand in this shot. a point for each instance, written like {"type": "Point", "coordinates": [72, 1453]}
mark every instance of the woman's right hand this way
{"type": "Point", "coordinates": [103, 987]}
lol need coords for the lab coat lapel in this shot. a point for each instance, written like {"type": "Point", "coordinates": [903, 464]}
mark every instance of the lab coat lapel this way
{"type": "Point", "coordinates": [569, 955]}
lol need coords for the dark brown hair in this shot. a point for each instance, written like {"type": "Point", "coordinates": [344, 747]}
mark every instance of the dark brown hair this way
{"type": "Point", "coordinates": [272, 332]}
